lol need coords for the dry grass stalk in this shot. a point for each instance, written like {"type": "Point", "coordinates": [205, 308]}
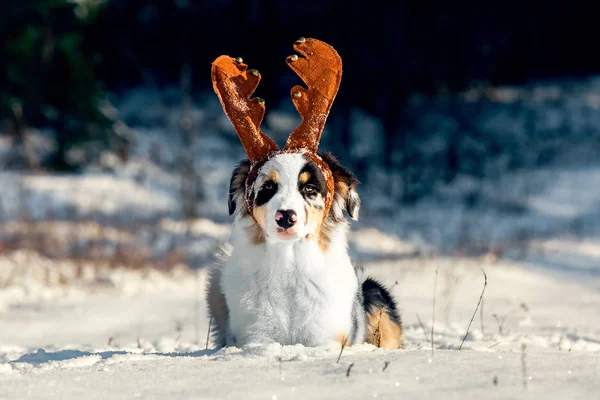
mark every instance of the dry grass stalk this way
{"type": "Point", "coordinates": [344, 342]}
{"type": "Point", "coordinates": [475, 312]}
{"type": "Point", "coordinates": [423, 328]}
{"type": "Point", "coordinates": [349, 369]}
{"type": "Point", "coordinates": [433, 316]}
{"type": "Point", "coordinates": [481, 316]}
{"type": "Point", "coordinates": [208, 332]}
{"type": "Point", "coordinates": [524, 364]}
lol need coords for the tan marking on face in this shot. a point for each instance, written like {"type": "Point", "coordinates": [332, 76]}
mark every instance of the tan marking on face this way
{"type": "Point", "coordinates": [258, 235]}
{"type": "Point", "coordinates": [314, 218]}
{"type": "Point", "coordinates": [273, 175]}
{"type": "Point", "coordinates": [325, 236]}
{"type": "Point", "coordinates": [304, 177]}
{"type": "Point", "coordinates": [326, 230]}
{"type": "Point", "coordinates": [257, 230]}
{"type": "Point", "coordinates": [259, 214]}
{"type": "Point", "coordinates": [383, 332]}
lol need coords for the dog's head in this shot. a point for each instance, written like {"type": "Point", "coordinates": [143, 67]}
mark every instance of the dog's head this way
{"type": "Point", "coordinates": [293, 193]}
{"type": "Point", "coordinates": [287, 195]}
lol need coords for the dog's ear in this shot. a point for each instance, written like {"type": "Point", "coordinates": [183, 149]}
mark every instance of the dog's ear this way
{"type": "Point", "coordinates": [237, 186]}
{"type": "Point", "coordinates": [345, 197]}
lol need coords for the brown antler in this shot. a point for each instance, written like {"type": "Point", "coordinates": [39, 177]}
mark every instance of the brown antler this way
{"type": "Point", "coordinates": [234, 85]}
{"type": "Point", "coordinates": [320, 67]}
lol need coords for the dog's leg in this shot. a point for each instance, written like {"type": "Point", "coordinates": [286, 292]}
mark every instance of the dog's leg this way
{"type": "Point", "coordinates": [384, 326]}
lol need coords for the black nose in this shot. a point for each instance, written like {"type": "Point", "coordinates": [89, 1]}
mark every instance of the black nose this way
{"type": "Point", "coordinates": [286, 218]}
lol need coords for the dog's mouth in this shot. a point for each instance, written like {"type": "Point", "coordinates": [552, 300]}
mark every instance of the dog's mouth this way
{"type": "Point", "coordinates": [285, 233]}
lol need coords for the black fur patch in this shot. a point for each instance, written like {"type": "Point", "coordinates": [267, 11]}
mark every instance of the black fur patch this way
{"type": "Point", "coordinates": [316, 179]}
{"type": "Point", "coordinates": [340, 173]}
{"type": "Point", "coordinates": [344, 175]}
{"type": "Point", "coordinates": [376, 296]}
{"type": "Point", "coordinates": [266, 192]}
{"type": "Point", "coordinates": [237, 184]}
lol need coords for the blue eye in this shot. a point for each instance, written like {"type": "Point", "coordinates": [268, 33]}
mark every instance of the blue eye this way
{"type": "Point", "coordinates": [269, 185]}
{"type": "Point", "coordinates": [309, 189]}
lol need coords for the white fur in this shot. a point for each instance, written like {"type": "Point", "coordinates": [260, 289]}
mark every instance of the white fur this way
{"type": "Point", "coordinates": [288, 290]}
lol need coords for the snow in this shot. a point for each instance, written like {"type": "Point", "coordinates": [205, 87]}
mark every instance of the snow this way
{"type": "Point", "coordinates": [139, 334]}
{"type": "Point", "coordinates": [249, 374]}
{"type": "Point", "coordinates": [98, 328]}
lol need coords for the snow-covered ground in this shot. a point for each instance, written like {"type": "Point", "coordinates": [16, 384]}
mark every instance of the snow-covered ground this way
{"type": "Point", "coordinates": [97, 300]}
{"type": "Point", "coordinates": [131, 334]}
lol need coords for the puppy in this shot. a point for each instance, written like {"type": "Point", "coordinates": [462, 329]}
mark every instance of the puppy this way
{"type": "Point", "coordinates": [286, 275]}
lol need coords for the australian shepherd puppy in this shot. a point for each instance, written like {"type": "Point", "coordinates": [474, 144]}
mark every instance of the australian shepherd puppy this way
{"type": "Point", "coordinates": [286, 276]}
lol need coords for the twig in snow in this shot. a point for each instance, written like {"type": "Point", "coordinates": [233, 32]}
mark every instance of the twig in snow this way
{"type": "Point", "coordinates": [475, 312]}
{"type": "Point", "coordinates": [179, 330]}
{"type": "Point", "coordinates": [385, 365]}
{"type": "Point", "coordinates": [423, 328]}
{"type": "Point", "coordinates": [110, 341]}
{"type": "Point", "coordinates": [433, 316]}
{"type": "Point", "coordinates": [342, 349]}
{"type": "Point", "coordinates": [494, 345]}
{"type": "Point", "coordinates": [450, 291]}
{"type": "Point", "coordinates": [501, 320]}
{"type": "Point", "coordinates": [481, 316]}
{"type": "Point", "coordinates": [139, 335]}
{"type": "Point", "coordinates": [524, 364]}
{"type": "Point", "coordinates": [280, 373]}
{"type": "Point", "coordinates": [208, 332]}
{"type": "Point", "coordinates": [349, 369]}
{"type": "Point", "coordinates": [560, 342]}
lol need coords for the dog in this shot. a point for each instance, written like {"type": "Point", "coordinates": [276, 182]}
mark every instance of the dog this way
{"type": "Point", "coordinates": [286, 276]}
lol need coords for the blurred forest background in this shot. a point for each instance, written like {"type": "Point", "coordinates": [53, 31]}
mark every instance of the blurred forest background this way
{"type": "Point", "coordinates": [432, 93]}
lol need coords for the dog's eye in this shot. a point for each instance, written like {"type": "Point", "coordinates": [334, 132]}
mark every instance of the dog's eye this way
{"type": "Point", "coordinates": [269, 185]}
{"type": "Point", "coordinates": [310, 189]}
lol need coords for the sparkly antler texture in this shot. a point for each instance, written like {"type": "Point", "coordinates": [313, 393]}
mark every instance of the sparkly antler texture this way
{"type": "Point", "coordinates": [320, 67]}
{"type": "Point", "coordinates": [234, 84]}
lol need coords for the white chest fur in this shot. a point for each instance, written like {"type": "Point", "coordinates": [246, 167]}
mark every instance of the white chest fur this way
{"type": "Point", "coordinates": [288, 292]}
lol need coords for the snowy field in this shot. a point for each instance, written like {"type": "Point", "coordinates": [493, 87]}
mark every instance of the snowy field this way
{"type": "Point", "coordinates": [97, 300]}
{"type": "Point", "coordinates": [126, 334]}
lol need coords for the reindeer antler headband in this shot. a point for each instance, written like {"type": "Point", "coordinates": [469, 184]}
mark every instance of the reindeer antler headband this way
{"type": "Point", "coordinates": [319, 66]}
